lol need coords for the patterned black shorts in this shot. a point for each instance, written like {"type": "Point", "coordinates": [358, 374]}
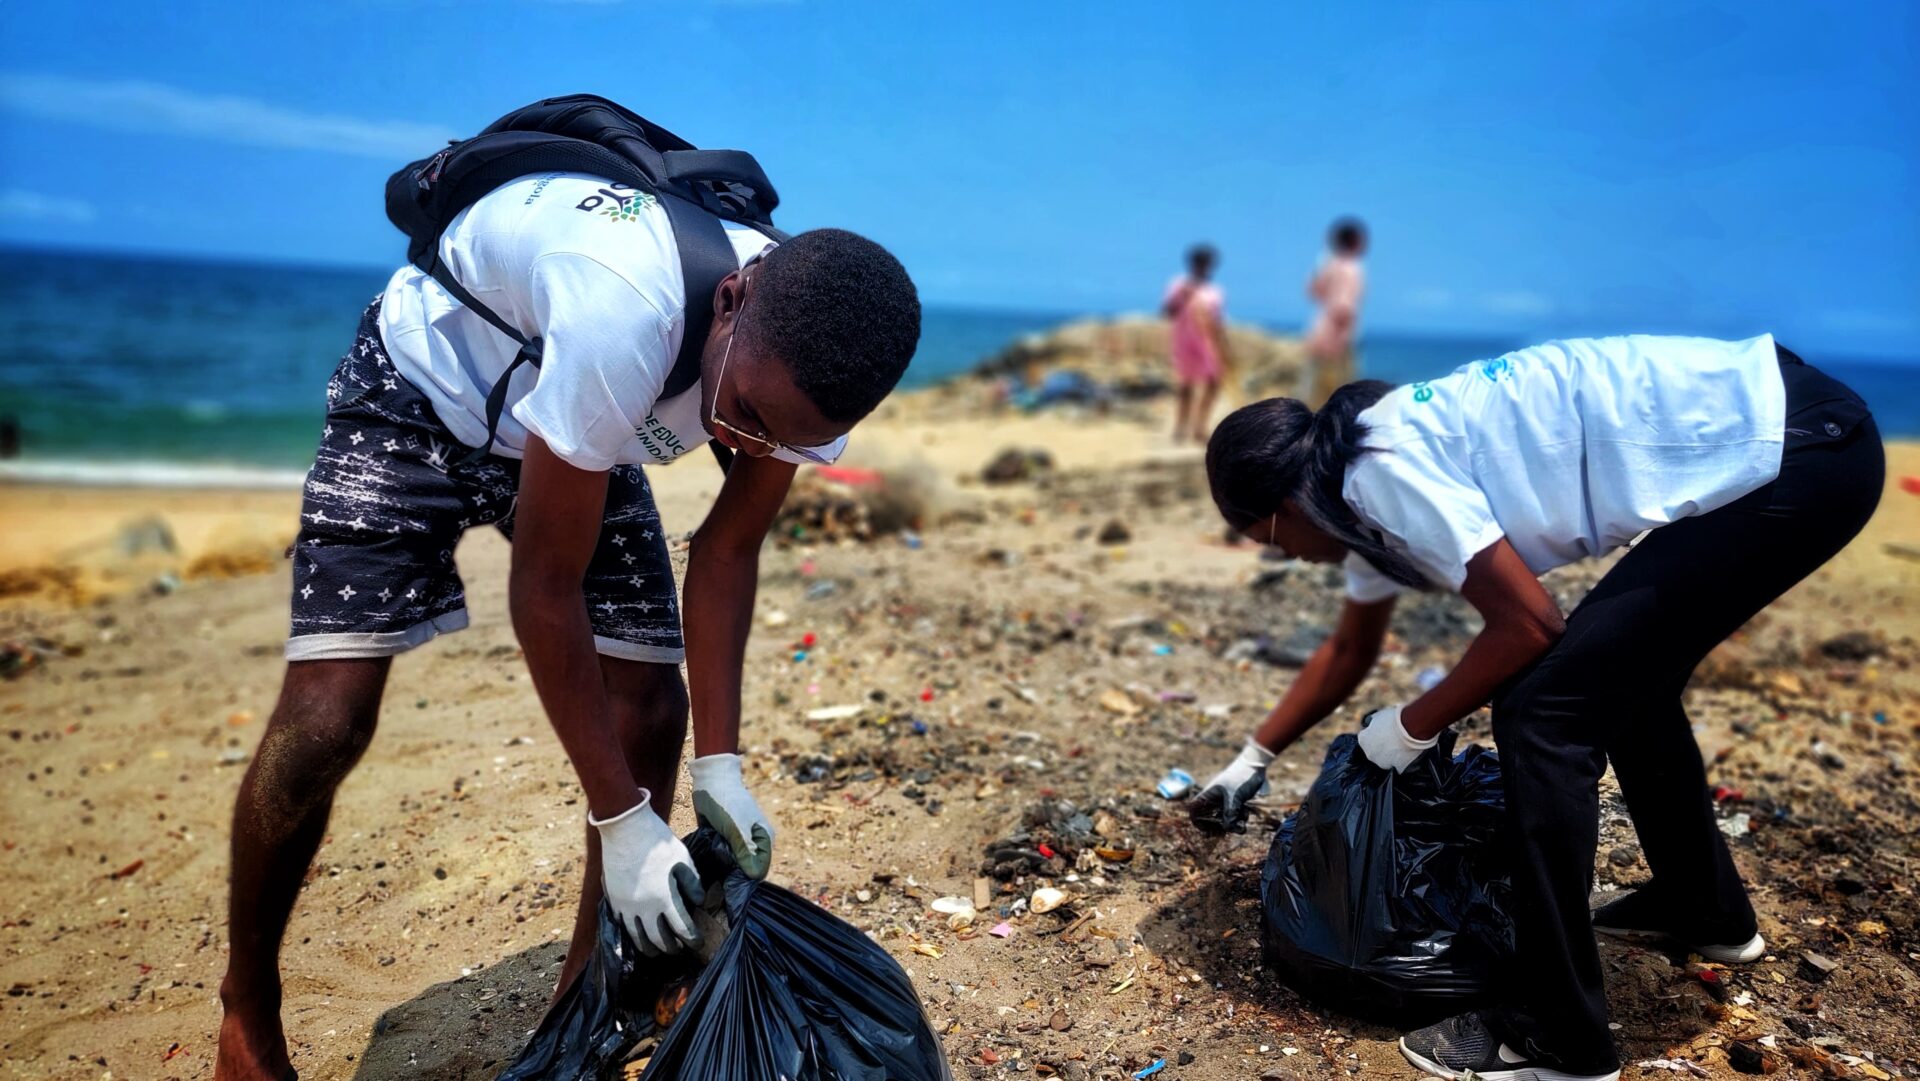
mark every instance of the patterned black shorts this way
{"type": "Point", "coordinates": [386, 501]}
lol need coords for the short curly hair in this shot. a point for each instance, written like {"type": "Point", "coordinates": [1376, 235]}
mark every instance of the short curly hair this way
{"type": "Point", "coordinates": [841, 313]}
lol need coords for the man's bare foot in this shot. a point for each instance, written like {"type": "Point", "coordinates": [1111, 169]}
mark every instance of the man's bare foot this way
{"type": "Point", "coordinates": [252, 1048]}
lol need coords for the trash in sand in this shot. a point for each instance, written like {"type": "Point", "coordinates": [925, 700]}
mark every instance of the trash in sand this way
{"type": "Point", "coordinates": [1385, 894]}
{"type": "Point", "coordinates": [1175, 785]}
{"type": "Point", "coordinates": [1430, 677]}
{"type": "Point", "coordinates": [1676, 1065]}
{"type": "Point", "coordinates": [1158, 1065]}
{"type": "Point", "coordinates": [791, 993]}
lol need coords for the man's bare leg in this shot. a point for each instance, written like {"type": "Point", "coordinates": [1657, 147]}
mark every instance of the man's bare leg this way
{"type": "Point", "coordinates": [323, 721]}
{"type": "Point", "coordinates": [650, 713]}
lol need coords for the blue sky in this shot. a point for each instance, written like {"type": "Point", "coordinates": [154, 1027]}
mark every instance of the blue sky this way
{"type": "Point", "coordinates": [1526, 168]}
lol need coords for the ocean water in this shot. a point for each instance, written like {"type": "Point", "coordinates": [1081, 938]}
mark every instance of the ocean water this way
{"type": "Point", "coordinates": [150, 370]}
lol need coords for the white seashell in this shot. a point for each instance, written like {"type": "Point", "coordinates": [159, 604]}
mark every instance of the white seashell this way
{"type": "Point", "coordinates": [1046, 899]}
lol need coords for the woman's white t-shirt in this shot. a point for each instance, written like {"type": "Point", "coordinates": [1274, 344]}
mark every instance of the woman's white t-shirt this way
{"type": "Point", "coordinates": [1567, 449]}
{"type": "Point", "coordinates": [591, 268]}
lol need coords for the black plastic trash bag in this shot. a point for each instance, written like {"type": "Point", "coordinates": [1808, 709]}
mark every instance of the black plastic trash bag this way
{"type": "Point", "coordinates": [609, 1009]}
{"type": "Point", "coordinates": [791, 994]}
{"type": "Point", "coordinates": [1385, 895]}
{"type": "Point", "coordinates": [797, 995]}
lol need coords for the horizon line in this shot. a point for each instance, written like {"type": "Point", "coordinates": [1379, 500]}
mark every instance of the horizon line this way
{"type": "Point", "coordinates": [1061, 315]}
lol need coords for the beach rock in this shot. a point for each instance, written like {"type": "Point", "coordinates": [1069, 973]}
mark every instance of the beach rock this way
{"type": "Point", "coordinates": [1015, 464]}
{"type": "Point", "coordinates": [1852, 646]}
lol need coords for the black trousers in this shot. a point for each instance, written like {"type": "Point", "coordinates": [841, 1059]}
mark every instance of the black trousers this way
{"type": "Point", "coordinates": [1610, 690]}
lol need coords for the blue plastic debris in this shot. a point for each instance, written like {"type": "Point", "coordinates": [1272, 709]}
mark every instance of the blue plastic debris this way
{"type": "Point", "coordinates": [1175, 785]}
{"type": "Point", "coordinates": [1158, 1065]}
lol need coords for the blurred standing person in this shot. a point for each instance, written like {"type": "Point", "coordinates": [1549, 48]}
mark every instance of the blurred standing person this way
{"type": "Point", "coordinates": [1197, 307]}
{"type": "Point", "coordinates": [1337, 287]}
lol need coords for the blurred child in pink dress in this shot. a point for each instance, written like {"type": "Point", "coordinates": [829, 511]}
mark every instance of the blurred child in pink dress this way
{"type": "Point", "coordinates": [1197, 307]}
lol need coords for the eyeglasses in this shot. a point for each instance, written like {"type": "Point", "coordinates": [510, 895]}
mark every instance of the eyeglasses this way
{"type": "Point", "coordinates": [772, 445]}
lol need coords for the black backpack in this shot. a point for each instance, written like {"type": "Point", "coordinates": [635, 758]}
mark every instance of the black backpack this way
{"type": "Point", "coordinates": [582, 133]}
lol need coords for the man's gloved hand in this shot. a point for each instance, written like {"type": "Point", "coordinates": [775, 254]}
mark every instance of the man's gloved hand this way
{"type": "Point", "coordinates": [1221, 806]}
{"type": "Point", "coordinates": [649, 878]}
{"type": "Point", "coordinates": [720, 797]}
{"type": "Point", "coordinates": [1385, 742]}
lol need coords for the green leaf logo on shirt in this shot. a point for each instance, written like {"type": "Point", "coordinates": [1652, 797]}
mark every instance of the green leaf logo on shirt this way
{"type": "Point", "coordinates": [629, 208]}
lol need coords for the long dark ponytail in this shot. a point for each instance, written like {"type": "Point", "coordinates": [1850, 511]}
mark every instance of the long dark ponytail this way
{"type": "Point", "coordinates": [1266, 453]}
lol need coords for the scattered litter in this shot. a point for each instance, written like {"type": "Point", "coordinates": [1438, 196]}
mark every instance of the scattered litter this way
{"type": "Point", "coordinates": [1158, 1065]}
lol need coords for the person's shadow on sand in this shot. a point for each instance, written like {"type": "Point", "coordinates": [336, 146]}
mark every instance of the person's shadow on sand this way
{"type": "Point", "coordinates": [471, 1027]}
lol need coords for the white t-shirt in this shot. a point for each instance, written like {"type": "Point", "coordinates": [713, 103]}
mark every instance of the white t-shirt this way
{"type": "Point", "coordinates": [1567, 449]}
{"type": "Point", "coordinates": [588, 266]}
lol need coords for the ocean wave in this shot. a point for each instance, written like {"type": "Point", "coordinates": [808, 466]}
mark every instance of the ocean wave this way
{"type": "Point", "coordinates": [99, 474]}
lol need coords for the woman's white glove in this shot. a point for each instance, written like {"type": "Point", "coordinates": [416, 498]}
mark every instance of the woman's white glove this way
{"type": "Point", "coordinates": [1386, 743]}
{"type": "Point", "coordinates": [720, 797]}
{"type": "Point", "coordinates": [1221, 806]}
{"type": "Point", "coordinates": [649, 879]}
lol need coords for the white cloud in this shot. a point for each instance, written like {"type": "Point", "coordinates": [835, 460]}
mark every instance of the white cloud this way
{"type": "Point", "coordinates": [18, 205]}
{"type": "Point", "coordinates": [1517, 302]}
{"type": "Point", "coordinates": [134, 105]}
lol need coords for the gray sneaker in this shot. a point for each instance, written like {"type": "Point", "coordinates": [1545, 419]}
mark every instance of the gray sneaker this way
{"type": "Point", "coordinates": [1463, 1046]}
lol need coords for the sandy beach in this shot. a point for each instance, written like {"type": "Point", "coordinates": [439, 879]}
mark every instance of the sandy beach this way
{"type": "Point", "coordinates": [1057, 639]}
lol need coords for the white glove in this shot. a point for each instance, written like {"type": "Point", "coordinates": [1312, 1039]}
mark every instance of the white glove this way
{"type": "Point", "coordinates": [649, 879]}
{"type": "Point", "coordinates": [720, 797]}
{"type": "Point", "coordinates": [1221, 805]}
{"type": "Point", "coordinates": [1386, 743]}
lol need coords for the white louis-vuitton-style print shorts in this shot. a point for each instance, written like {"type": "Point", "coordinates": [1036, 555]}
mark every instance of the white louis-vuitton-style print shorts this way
{"type": "Point", "coordinates": [387, 500]}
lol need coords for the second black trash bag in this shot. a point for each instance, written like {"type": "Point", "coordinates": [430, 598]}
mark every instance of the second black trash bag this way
{"type": "Point", "coordinates": [795, 994]}
{"type": "Point", "coordinates": [1385, 895]}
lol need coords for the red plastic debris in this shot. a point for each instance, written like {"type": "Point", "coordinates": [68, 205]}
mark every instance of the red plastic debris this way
{"type": "Point", "coordinates": [1045, 851]}
{"type": "Point", "coordinates": [850, 476]}
{"type": "Point", "coordinates": [809, 639]}
{"type": "Point", "coordinates": [1910, 485]}
{"type": "Point", "coordinates": [926, 694]}
{"type": "Point", "coordinates": [1724, 793]}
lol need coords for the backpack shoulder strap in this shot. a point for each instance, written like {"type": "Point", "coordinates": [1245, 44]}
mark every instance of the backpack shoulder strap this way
{"type": "Point", "coordinates": [706, 257]}
{"type": "Point", "coordinates": [530, 351]}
